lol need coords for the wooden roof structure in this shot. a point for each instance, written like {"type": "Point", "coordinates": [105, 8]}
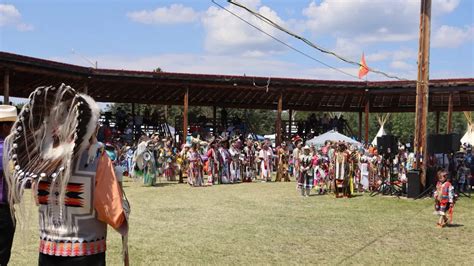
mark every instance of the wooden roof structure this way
{"type": "Point", "coordinates": [106, 85]}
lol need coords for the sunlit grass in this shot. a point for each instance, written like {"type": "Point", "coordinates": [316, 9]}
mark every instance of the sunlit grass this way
{"type": "Point", "coordinates": [269, 223]}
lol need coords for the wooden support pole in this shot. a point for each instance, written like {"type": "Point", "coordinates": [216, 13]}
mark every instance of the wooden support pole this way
{"type": "Point", "coordinates": [422, 91]}
{"type": "Point", "coordinates": [437, 122]}
{"type": "Point", "coordinates": [85, 89]}
{"type": "Point", "coordinates": [165, 107]}
{"type": "Point", "coordinates": [133, 120]}
{"type": "Point", "coordinates": [185, 116]}
{"type": "Point", "coordinates": [449, 128]}
{"type": "Point", "coordinates": [290, 123]}
{"type": "Point", "coordinates": [214, 120]}
{"type": "Point", "coordinates": [367, 106]}
{"type": "Point", "coordinates": [6, 87]}
{"type": "Point", "coordinates": [278, 121]}
{"type": "Point", "coordinates": [360, 126]}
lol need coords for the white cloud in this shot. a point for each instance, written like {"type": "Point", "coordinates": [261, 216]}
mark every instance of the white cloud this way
{"type": "Point", "coordinates": [174, 14]}
{"type": "Point", "coordinates": [10, 16]}
{"type": "Point", "coordinates": [227, 34]}
{"type": "Point", "coordinates": [397, 55]}
{"type": "Point", "coordinates": [444, 6]}
{"type": "Point", "coordinates": [452, 37]}
{"type": "Point", "coordinates": [399, 64]}
{"type": "Point", "coordinates": [369, 21]}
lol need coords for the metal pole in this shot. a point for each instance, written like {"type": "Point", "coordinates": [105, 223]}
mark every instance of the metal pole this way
{"type": "Point", "coordinates": [185, 116]}
{"type": "Point", "coordinates": [449, 128]}
{"type": "Point", "coordinates": [6, 87]}
{"type": "Point", "coordinates": [422, 90]}
{"type": "Point", "coordinates": [278, 121]}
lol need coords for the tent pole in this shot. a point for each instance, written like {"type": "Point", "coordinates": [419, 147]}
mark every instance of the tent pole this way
{"type": "Point", "coordinates": [360, 126]}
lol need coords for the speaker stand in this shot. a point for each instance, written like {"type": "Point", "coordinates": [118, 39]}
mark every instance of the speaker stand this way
{"type": "Point", "coordinates": [425, 192]}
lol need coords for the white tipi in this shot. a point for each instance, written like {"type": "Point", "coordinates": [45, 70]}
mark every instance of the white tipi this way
{"type": "Point", "coordinates": [382, 120]}
{"type": "Point", "coordinates": [469, 136]}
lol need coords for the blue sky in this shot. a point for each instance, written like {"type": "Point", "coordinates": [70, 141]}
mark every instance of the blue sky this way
{"type": "Point", "coordinates": [199, 37]}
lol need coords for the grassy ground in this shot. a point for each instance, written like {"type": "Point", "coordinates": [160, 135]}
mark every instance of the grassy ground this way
{"type": "Point", "coordinates": [269, 223]}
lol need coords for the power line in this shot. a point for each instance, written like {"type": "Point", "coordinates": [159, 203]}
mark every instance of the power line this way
{"type": "Point", "coordinates": [284, 43]}
{"type": "Point", "coordinates": [275, 25]}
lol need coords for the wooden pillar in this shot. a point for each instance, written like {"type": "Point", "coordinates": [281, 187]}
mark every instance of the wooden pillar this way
{"type": "Point", "coordinates": [367, 104]}
{"type": "Point", "coordinates": [165, 109]}
{"type": "Point", "coordinates": [133, 121]}
{"type": "Point", "coordinates": [278, 121]}
{"type": "Point", "coordinates": [422, 91]}
{"type": "Point", "coordinates": [449, 128]}
{"type": "Point", "coordinates": [360, 126]}
{"type": "Point", "coordinates": [185, 115]}
{"type": "Point", "coordinates": [214, 120]}
{"type": "Point", "coordinates": [6, 87]}
{"type": "Point", "coordinates": [437, 122]}
{"type": "Point", "coordinates": [85, 89]}
{"type": "Point", "coordinates": [290, 123]}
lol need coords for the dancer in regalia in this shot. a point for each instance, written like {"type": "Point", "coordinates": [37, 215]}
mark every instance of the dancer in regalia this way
{"type": "Point", "coordinates": [444, 198]}
{"type": "Point", "coordinates": [226, 160]}
{"type": "Point", "coordinates": [183, 162]}
{"type": "Point", "coordinates": [298, 142]}
{"type": "Point", "coordinates": [341, 167]}
{"type": "Point", "coordinates": [144, 163]}
{"type": "Point", "coordinates": [249, 162]}
{"type": "Point", "coordinates": [305, 180]}
{"type": "Point", "coordinates": [75, 189]}
{"type": "Point", "coordinates": [283, 160]}
{"type": "Point", "coordinates": [265, 157]}
{"type": "Point", "coordinates": [236, 164]}
{"type": "Point", "coordinates": [213, 163]}
{"type": "Point", "coordinates": [195, 171]}
{"type": "Point", "coordinates": [169, 161]}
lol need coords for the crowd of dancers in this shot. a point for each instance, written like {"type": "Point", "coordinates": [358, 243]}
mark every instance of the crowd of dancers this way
{"type": "Point", "coordinates": [337, 167]}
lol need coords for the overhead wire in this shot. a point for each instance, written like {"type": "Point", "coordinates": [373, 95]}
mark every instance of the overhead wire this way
{"type": "Point", "coordinates": [311, 44]}
{"type": "Point", "coordinates": [284, 43]}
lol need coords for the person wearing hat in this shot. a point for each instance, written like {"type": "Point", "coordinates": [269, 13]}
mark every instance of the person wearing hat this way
{"type": "Point", "coordinates": [306, 177]}
{"type": "Point", "coordinates": [8, 116]}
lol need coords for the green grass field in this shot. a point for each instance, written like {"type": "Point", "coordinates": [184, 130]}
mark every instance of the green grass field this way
{"type": "Point", "coordinates": [269, 223]}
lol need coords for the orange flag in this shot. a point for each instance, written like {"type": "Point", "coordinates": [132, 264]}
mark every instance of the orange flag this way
{"type": "Point", "coordinates": [363, 68]}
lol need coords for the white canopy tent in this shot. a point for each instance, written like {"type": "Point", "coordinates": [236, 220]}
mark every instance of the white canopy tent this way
{"type": "Point", "coordinates": [469, 136]}
{"type": "Point", "coordinates": [331, 136]}
{"type": "Point", "coordinates": [382, 120]}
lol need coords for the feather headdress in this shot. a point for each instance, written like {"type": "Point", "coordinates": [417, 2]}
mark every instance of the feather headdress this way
{"type": "Point", "coordinates": [53, 128]}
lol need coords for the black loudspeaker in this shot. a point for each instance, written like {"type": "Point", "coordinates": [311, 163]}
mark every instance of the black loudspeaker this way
{"type": "Point", "coordinates": [443, 143]}
{"type": "Point", "coordinates": [386, 143]}
{"type": "Point", "coordinates": [413, 184]}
